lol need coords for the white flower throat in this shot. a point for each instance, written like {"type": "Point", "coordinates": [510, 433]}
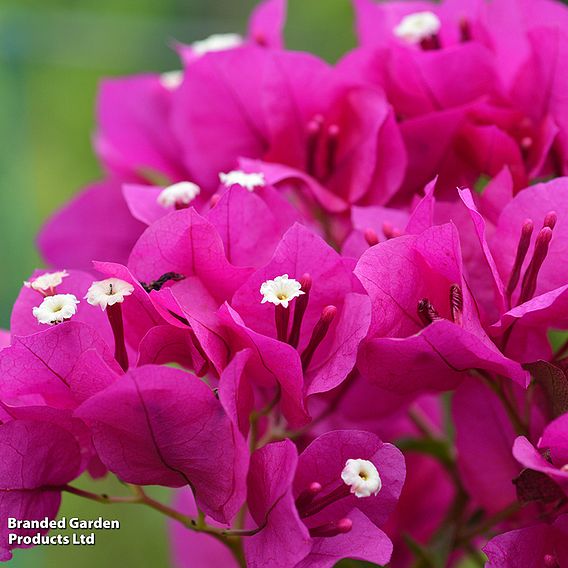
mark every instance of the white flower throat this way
{"type": "Point", "coordinates": [280, 291]}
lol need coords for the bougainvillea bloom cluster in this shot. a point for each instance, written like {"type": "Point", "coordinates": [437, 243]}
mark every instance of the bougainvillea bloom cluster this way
{"type": "Point", "coordinates": [326, 304]}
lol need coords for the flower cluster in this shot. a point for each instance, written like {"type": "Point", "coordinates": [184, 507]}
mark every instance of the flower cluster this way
{"type": "Point", "coordinates": [324, 302]}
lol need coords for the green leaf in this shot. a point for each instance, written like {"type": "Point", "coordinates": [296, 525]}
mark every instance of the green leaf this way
{"type": "Point", "coordinates": [434, 447]}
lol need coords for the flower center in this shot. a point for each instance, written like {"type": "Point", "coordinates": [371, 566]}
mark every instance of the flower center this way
{"type": "Point", "coordinates": [280, 292]}
{"type": "Point", "coordinates": [47, 283]}
{"type": "Point", "coordinates": [178, 195]}
{"type": "Point", "coordinates": [108, 292]}
{"type": "Point", "coordinates": [247, 180]}
{"type": "Point", "coordinates": [55, 309]}
{"type": "Point", "coordinates": [418, 27]}
{"type": "Point", "coordinates": [360, 478]}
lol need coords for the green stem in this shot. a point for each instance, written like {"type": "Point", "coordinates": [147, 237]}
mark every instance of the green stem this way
{"type": "Point", "coordinates": [230, 538]}
{"type": "Point", "coordinates": [514, 417]}
{"type": "Point", "coordinates": [489, 523]}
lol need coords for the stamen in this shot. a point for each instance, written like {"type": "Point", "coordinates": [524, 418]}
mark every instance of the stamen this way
{"type": "Point", "coordinates": [550, 219]}
{"type": "Point", "coordinates": [390, 232]}
{"type": "Point", "coordinates": [456, 303]}
{"type": "Point", "coordinates": [371, 237]}
{"type": "Point", "coordinates": [526, 142]}
{"type": "Point", "coordinates": [528, 286]}
{"type": "Point", "coordinates": [465, 31]}
{"type": "Point", "coordinates": [426, 312]}
{"type": "Point", "coordinates": [300, 310]}
{"type": "Point", "coordinates": [332, 142]}
{"type": "Point", "coordinates": [318, 504]}
{"type": "Point", "coordinates": [332, 528]}
{"type": "Point", "coordinates": [313, 131]}
{"type": "Point", "coordinates": [307, 496]}
{"type": "Point", "coordinates": [550, 561]}
{"type": "Point", "coordinates": [320, 330]}
{"type": "Point", "coordinates": [522, 248]}
{"type": "Point", "coordinates": [431, 43]}
{"type": "Point", "coordinates": [215, 198]}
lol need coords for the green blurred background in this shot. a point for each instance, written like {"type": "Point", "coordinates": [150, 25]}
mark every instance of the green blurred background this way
{"type": "Point", "coordinates": [52, 55]}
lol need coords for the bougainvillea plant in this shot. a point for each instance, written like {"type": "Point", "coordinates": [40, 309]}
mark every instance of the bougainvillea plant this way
{"type": "Point", "coordinates": [326, 304]}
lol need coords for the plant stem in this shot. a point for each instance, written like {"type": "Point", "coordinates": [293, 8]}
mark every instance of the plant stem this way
{"type": "Point", "coordinates": [230, 538]}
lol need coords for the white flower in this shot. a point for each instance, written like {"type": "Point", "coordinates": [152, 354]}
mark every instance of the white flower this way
{"type": "Point", "coordinates": [108, 292]}
{"type": "Point", "coordinates": [281, 290]}
{"type": "Point", "coordinates": [362, 476]}
{"type": "Point", "coordinates": [216, 42]}
{"type": "Point", "coordinates": [182, 193]}
{"type": "Point", "coordinates": [47, 281]}
{"type": "Point", "coordinates": [246, 180]}
{"type": "Point", "coordinates": [55, 309]}
{"type": "Point", "coordinates": [171, 80]}
{"type": "Point", "coordinates": [418, 26]}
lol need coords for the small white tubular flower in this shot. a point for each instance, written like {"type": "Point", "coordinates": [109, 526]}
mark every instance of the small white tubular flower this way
{"type": "Point", "coordinates": [418, 26]}
{"type": "Point", "coordinates": [246, 180]}
{"type": "Point", "coordinates": [47, 281]}
{"type": "Point", "coordinates": [280, 291]}
{"type": "Point", "coordinates": [362, 476]}
{"type": "Point", "coordinates": [55, 309]}
{"type": "Point", "coordinates": [108, 292]}
{"type": "Point", "coordinates": [171, 80]}
{"type": "Point", "coordinates": [216, 42]}
{"type": "Point", "coordinates": [182, 193]}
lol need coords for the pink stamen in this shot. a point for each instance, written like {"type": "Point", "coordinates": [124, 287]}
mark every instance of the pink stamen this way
{"type": "Point", "coordinates": [431, 43]}
{"type": "Point", "coordinates": [320, 330]}
{"type": "Point", "coordinates": [307, 496]}
{"type": "Point", "coordinates": [215, 198]}
{"type": "Point", "coordinates": [456, 303]}
{"type": "Point", "coordinates": [426, 312]}
{"type": "Point", "coordinates": [300, 309]}
{"type": "Point", "coordinates": [332, 142]}
{"type": "Point", "coordinates": [550, 561]}
{"type": "Point", "coordinates": [314, 132]}
{"type": "Point", "coordinates": [321, 502]}
{"type": "Point", "coordinates": [522, 249]}
{"type": "Point", "coordinates": [371, 237]}
{"type": "Point", "coordinates": [526, 142]}
{"type": "Point", "coordinates": [465, 31]}
{"type": "Point", "coordinates": [528, 286]}
{"type": "Point", "coordinates": [550, 219]}
{"type": "Point", "coordinates": [332, 528]}
{"type": "Point", "coordinates": [390, 232]}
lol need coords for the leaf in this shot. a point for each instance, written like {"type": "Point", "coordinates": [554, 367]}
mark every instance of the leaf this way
{"type": "Point", "coordinates": [554, 383]}
{"type": "Point", "coordinates": [537, 486]}
{"type": "Point", "coordinates": [438, 449]}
